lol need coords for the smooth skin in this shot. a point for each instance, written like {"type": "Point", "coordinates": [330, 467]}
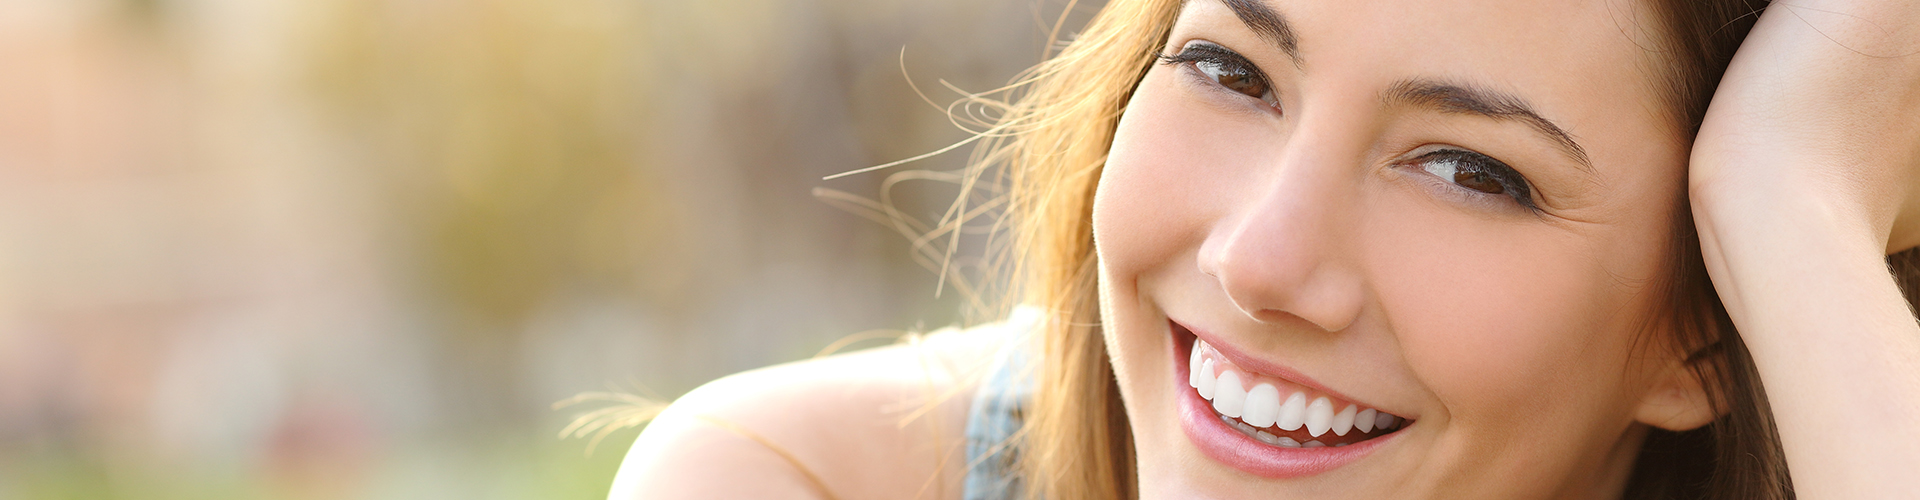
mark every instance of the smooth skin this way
{"type": "Point", "coordinates": [1802, 178]}
{"type": "Point", "coordinates": [882, 424]}
{"type": "Point", "coordinates": [1306, 229]}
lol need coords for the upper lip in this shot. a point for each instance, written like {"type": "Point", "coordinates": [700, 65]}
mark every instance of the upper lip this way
{"type": "Point", "coordinates": [1270, 368]}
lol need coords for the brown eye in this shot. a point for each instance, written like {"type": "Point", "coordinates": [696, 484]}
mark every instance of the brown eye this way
{"type": "Point", "coordinates": [1249, 84]}
{"type": "Point", "coordinates": [1478, 181]}
{"type": "Point", "coordinates": [1237, 79]}
{"type": "Point", "coordinates": [1227, 69]}
{"type": "Point", "coordinates": [1479, 173]}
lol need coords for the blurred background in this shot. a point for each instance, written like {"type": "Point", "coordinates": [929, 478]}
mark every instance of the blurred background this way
{"type": "Point", "coordinates": [320, 249]}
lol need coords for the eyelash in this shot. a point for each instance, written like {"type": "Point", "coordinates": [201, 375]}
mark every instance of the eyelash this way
{"type": "Point", "coordinates": [1467, 164]}
{"type": "Point", "coordinates": [1223, 62]}
{"type": "Point", "coordinates": [1219, 64]}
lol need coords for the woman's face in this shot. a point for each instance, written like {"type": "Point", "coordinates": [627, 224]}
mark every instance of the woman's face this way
{"type": "Point", "coordinates": [1451, 216]}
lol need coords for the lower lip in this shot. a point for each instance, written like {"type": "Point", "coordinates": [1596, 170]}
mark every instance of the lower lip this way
{"type": "Point", "coordinates": [1227, 445]}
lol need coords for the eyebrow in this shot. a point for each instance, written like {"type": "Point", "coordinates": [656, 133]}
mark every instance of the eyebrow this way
{"type": "Point", "coordinates": [1484, 102]}
{"type": "Point", "coordinates": [1443, 97]}
{"type": "Point", "coordinates": [1267, 23]}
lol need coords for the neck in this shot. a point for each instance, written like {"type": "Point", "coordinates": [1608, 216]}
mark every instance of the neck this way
{"type": "Point", "coordinates": [1611, 470]}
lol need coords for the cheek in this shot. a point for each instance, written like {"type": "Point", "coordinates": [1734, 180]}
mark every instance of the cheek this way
{"type": "Point", "coordinates": [1163, 184]}
{"type": "Point", "coordinates": [1507, 324]}
{"type": "Point", "coordinates": [1142, 205]}
{"type": "Point", "coordinates": [1175, 167]}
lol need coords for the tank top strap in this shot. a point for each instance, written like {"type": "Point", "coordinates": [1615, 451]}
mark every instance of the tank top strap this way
{"type": "Point", "coordinates": [996, 416]}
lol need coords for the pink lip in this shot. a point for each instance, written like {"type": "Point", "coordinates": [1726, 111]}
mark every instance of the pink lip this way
{"type": "Point", "coordinates": [1228, 446]}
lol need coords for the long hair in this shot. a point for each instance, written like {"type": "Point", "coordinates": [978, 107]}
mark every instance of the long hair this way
{"type": "Point", "coordinates": [1050, 146]}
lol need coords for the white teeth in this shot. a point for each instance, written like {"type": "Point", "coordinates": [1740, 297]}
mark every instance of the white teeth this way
{"type": "Point", "coordinates": [1265, 437]}
{"type": "Point", "coordinates": [1260, 407]}
{"type": "Point", "coordinates": [1293, 412]}
{"type": "Point", "coordinates": [1281, 441]}
{"type": "Point", "coordinates": [1263, 406]}
{"type": "Point", "coordinates": [1343, 421]}
{"type": "Point", "coordinates": [1364, 421]}
{"type": "Point", "coordinates": [1206, 380]}
{"type": "Point", "coordinates": [1319, 416]}
{"type": "Point", "coordinates": [1193, 366]}
{"type": "Point", "coordinates": [1228, 396]}
{"type": "Point", "coordinates": [1239, 425]}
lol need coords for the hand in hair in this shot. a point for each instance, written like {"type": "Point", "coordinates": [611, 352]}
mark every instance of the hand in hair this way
{"type": "Point", "coordinates": [1805, 174]}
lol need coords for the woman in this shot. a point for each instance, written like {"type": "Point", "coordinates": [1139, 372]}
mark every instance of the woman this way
{"type": "Point", "coordinates": [1403, 249]}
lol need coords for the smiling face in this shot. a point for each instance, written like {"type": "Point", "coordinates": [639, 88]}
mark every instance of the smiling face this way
{"type": "Point", "coordinates": [1454, 214]}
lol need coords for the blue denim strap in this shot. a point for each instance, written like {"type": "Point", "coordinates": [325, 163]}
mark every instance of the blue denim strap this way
{"type": "Point", "coordinates": [992, 423]}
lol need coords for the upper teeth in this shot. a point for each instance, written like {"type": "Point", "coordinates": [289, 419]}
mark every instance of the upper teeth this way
{"type": "Point", "coordinates": [1261, 406]}
{"type": "Point", "coordinates": [1343, 421]}
{"type": "Point", "coordinates": [1294, 412]}
{"type": "Point", "coordinates": [1319, 416]}
{"type": "Point", "coordinates": [1228, 397]}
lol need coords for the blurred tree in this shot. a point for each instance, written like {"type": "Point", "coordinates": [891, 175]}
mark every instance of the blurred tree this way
{"type": "Point", "coordinates": [511, 134]}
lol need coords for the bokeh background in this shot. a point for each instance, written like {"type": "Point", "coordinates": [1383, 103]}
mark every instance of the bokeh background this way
{"type": "Point", "coordinates": [320, 249]}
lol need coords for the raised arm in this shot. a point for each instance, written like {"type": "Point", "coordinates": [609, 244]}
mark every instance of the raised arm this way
{"type": "Point", "coordinates": [1803, 179]}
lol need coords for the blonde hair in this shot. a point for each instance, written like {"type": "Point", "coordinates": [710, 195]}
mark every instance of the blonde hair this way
{"type": "Point", "coordinates": [1051, 145]}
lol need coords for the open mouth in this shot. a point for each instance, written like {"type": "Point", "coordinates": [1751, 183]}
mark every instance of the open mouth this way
{"type": "Point", "coordinates": [1280, 413]}
{"type": "Point", "coordinates": [1275, 411]}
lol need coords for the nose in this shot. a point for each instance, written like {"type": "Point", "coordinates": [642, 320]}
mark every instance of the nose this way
{"type": "Point", "coordinates": [1285, 253]}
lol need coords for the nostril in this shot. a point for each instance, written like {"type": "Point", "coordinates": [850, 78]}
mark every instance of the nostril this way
{"type": "Point", "coordinates": [1284, 261]}
{"type": "Point", "coordinates": [1272, 316]}
{"type": "Point", "coordinates": [1209, 260]}
{"type": "Point", "coordinates": [1326, 299]}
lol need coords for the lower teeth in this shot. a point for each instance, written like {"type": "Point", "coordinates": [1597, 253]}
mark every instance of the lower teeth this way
{"type": "Point", "coordinates": [1269, 438]}
{"type": "Point", "coordinates": [1264, 437]}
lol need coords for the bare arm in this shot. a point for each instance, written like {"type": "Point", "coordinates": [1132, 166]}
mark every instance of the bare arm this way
{"type": "Point", "coordinates": [884, 423]}
{"type": "Point", "coordinates": [683, 456]}
{"type": "Point", "coordinates": [1802, 181]}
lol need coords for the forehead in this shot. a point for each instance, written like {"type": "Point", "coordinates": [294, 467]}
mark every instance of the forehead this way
{"type": "Point", "coordinates": [1543, 47]}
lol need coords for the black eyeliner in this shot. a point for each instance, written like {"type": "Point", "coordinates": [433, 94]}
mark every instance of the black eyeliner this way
{"type": "Point", "coordinates": [1515, 184]}
{"type": "Point", "coordinates": [1210, 58]}
{"type": "Point", "coordinates": [1212, 53]}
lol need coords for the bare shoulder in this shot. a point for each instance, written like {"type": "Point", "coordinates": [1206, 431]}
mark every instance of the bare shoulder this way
{"type": "Point", "coordinates": [879, 423]}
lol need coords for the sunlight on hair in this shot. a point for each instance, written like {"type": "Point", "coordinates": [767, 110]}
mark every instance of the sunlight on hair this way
{"type": "Point", "coordinates": [624, 411]}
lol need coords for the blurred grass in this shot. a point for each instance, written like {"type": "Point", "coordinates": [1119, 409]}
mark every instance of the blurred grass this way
{"type": "Point", "coordinates": [515, 467]}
